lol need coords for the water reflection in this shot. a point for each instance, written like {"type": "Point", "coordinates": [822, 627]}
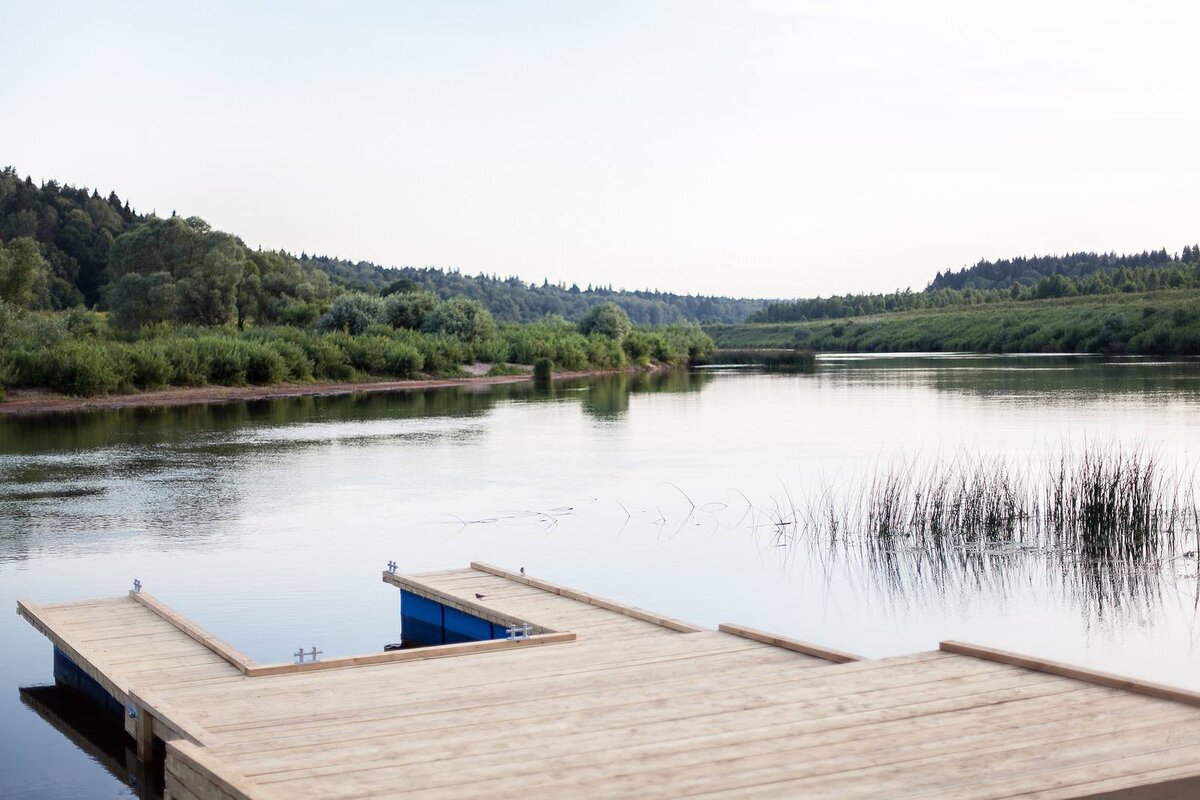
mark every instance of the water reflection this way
{"type": "Point", "coordinates": [145, 469]}
{"type": "Point", "coordinates": [268, 522]}
{"type": "Point", "coordinates": [97, 734]}
{"type": "Point", "coordinates": [1048, 378]}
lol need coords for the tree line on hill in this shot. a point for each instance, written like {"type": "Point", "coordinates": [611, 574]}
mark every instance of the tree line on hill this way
{"type": "Point", "coordinates": [1027, 271]}
{"type": "Point", "coordinates": [512, 299]}
{"type": "Point", "coordinates": [185, 305]}
{"type": "Point", "coordinates": [96, 251]}
{"type": "Point", "coordinates": [1173, 272]}
{"type": "Point", "coordinates": [63, 247]}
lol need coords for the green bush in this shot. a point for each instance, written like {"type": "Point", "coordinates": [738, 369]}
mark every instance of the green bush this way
{"type": "Point", "coordinates": [299, 314]}
{"type": "Point", "coordinates": [328, 356]}
{"type": "Point", "coordinates": [493, 350]}
{"type": "Point", "coordinates": [77, 353]}
{"type": "Point", "coordinates": [352, 313]}
{"type": "Point", "coordinates": [264, 365]}
{"type": "Point", "coordinates": [227, 360]}
{"type": "Point", "coordinates": [567, 348]}
{"type": "Point", "coordinates": [441, 354]}
{"type": "Point", "coordinates": [26, 368]}
{"type": "Point", "coordinates": [368, 353]}
{"type": "Point", "coordinates": [295, 359]}
{"type": "Point", "coordinates": [606, 319]}
{"type": "Point", "coordinates": [82, 323]}
{"type": "Point", "coordinates": [462, 318]}
{"type": "Point", "coordinates": [408, 309]}
{"type": "Point", "coordinates": [543, 369]}
{"type": "Point", "coordinates": [383, 355]}
{"type": "Point", "coordinates": [85, 369]}
{"type": "Point", "coordinates": [189, 362]}
{"type": "Point", "coordinates": [638, 346]}
{"type": "Point", "coordinates": [403, 361]}
{"type": "Point", "coordinates": [604, 352]}
{"type": "Point", "coordinates": [149, 367]}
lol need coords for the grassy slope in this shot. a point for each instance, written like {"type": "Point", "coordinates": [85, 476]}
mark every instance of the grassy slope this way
{"type": "Point", "coordinates": [1152, 322]}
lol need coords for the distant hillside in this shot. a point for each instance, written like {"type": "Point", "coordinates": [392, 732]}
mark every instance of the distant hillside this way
{"type": "Point", "coordinates": [1020, 279]}
{"type": "Point", "coordinates": [1004, 273]}
{"type": "Point", "coordinates": [75, 229]}
{"type": "Point", "coordinates": [514, 299]}
{"type": "Point", "coordinates": [1165, 322]}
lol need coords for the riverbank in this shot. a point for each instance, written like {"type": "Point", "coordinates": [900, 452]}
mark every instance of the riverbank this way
{"type": "Point", "coordinates": [1150, 323]}
{"type": "Point", "coordinates": [40, 401]}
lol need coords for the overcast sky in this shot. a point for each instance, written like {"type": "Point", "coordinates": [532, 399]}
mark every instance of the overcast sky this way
{"type": "Point", "coordinates": [760, 148]}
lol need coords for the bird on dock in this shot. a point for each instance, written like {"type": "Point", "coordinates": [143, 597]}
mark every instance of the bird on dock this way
{"type": "Point", "coordinates": [479, 596]}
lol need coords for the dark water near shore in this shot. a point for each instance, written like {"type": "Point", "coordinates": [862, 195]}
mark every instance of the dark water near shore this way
{"type": "Point", "coordinates": [269, 522]}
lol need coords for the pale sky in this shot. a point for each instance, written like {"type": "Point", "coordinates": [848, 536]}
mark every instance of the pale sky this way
{"type": "Point", "coordinates": [764, 148]}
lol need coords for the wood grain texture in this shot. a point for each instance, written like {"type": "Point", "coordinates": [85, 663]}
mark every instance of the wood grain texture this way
{"type": "Point", "coordinates": [591, 599]}
{"type": "Point", "coordinates": [630, 704]}
{"type": "Point", "coordinates": [195, 632]}
{"type": "Point", "coordinates": [826, 653]}
{"type": "Point", "coordinates": [1148, 688]}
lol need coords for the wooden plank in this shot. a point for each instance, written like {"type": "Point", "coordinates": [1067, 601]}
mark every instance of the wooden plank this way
{"type": "Point", "coordinates": [888, 773]}
{"type": "Point", "coordinates": [577, 664]}
{"type": "Point", "coordinates": [83, 605]}
{"type": "Point", "coordinates": [221, 648]}
{"type": "Point", "coordinates": [826, 653]}
{"type": "Point", "coordinates": [734, 688]}
{"type": "Point", "coordinates": [591, 599]}
{"type": "Point", "coordinates": [576, 765]}
{"type": "Point", "coordinates": [415, 654]}
{"type": "Point", "coordinates": [510, 706]}
{"type": "Point", "coordinates": [1165, 774]}
{"type": "Point", "coordinates": [897, 767]}
{"type": "Point", "coordinates": [143, 725]}
{"type": "Point", "coordinates": [177, 724]}
{"type": "Point", "coordinates": [1156, 690]}
{"type": "Point", "coordinates": [184, 757]}
{"type": "Point", "coordinates": [628, 709]}
{"type": "Point", "coordinates": [439, 574]}
{"type": "Point", "coordinates": [174, 789]}
{"type": "Point", "coordinates": [95, 669]}
{"type": "Point", "coordinates": [671, 745]}
{"type": "Point", "coordinates": [681, 740]}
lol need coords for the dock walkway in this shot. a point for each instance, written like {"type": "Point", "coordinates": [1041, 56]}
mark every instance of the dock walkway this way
{"type": "Point", "coordinates": [604, 700]}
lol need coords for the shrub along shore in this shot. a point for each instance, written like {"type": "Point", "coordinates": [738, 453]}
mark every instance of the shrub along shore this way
{"type": "Point", "coordinates": [359, 338]}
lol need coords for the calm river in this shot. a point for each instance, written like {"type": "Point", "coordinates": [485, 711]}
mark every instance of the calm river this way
{"type": "Point", "coordinates": [269, 522]}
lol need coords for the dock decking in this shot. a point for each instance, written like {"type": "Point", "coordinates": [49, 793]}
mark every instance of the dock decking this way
{"type": "Point", "coordinates": [604, 700]}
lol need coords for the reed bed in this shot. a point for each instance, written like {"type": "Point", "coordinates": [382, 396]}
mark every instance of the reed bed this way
{"type": "Point", "coordinates": [1108, 522]}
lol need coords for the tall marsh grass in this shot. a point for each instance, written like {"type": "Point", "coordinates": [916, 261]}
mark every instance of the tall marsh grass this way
{"type": "Point", "coordinates": [1108, 521]}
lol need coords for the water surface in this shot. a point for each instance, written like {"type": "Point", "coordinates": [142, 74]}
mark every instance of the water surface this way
{"type": "Point", "coordinates": [269, 522]}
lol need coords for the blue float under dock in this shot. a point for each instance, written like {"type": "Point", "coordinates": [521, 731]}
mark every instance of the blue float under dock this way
{"type": "Point", "coordinates": [425, 622]}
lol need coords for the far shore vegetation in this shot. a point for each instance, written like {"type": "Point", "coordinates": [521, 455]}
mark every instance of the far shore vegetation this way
{"type": "Point", "coordinates": [1144, 303]}
{"type": "Point", "coordinates": [358, 337]}
{"type": "Point", "coordinates": [97, 298]}
{"type": "Point", "coordinates": [178, 304]}
{"type": "Point", "coordinates": [1164, 322]}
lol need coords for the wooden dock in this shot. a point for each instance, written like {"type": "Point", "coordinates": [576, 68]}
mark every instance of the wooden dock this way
{"type": "Point", "coordinates": [604, 700]}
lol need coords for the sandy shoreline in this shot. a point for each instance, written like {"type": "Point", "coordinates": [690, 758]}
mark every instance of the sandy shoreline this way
{"type": "Point", "coordinates": [37, 401]}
